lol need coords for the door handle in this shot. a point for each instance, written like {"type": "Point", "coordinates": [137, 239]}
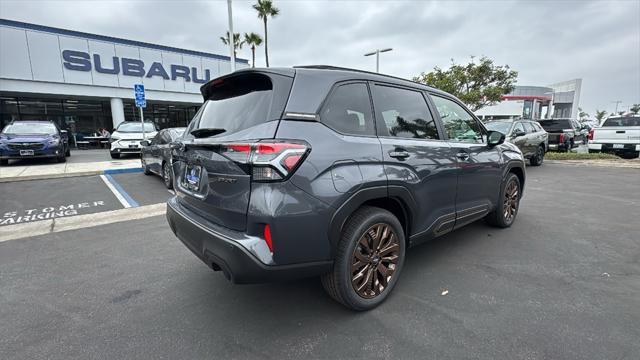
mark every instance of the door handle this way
{"type": "Point", "coordinates": [399, 154]}
{"type": "Point", "coordinates": [462, 156]}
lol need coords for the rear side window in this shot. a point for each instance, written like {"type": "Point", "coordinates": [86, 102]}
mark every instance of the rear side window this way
{"type": "Point", "coordinates": [348, 110]}
{"type": "Point", "coordinates": [529, 127]}
{"type": "Point", "coordinates": [457, 122]}
{"type": "Point", "coordinates": [404, 113]}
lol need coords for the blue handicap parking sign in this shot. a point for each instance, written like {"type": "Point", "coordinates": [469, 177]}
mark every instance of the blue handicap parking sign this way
{"type": "Point", "coordinates": [138, 90]}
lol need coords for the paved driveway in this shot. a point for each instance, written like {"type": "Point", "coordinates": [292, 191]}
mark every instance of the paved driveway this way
{"type": "Point", "coordinates": [562, 283]}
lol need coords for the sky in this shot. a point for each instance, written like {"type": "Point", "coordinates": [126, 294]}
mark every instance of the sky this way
{"type": "Point", "coordinates": [545, 41]}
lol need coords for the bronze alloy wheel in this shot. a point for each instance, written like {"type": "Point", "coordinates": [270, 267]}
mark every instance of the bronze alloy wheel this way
{"type": "Point", "coordinates": [510, 206]}
{"type": "Point", "coordinates": [374, 260]}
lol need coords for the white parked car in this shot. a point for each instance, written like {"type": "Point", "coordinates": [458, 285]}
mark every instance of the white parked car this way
{"type": "Point", "coordinates": [619, 135]}
{"type": "Point", "coordinates": [127, 136]}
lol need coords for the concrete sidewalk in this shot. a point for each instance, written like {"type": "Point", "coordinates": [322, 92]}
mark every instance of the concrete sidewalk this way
{"type": "Point", "coordinates": [22, 173]}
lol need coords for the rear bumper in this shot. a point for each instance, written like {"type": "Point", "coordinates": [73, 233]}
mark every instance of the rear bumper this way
{"type": "Point", "coordinates": [613, 148]}
{"type": "Point", "coordinates": [557, 147]}
{"type": "Point", "coordinates": [236, 254]}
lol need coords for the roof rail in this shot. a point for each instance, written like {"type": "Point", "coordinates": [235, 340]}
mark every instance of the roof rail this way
{"type": "Point", "coordinates": [331, 67]}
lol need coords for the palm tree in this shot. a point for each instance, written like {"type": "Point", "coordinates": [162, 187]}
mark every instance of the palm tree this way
{"type": "Point", "coordinates": [265, 10]}
{"type": "Point", "coordinates": [254, 40]}
{"type": "Point", "coordinates": [600, 115]}
{"type": "Point", "coordinates": [635, 109]}
{"type": "Point", "coordinates": [237, 44]}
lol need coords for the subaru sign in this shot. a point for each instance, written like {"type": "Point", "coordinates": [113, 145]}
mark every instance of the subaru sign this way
{"type": "Point", "coordinates": [138, 90]}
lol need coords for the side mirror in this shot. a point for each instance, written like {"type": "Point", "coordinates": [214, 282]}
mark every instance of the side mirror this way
{"type": "Point", "coordinates": [518, 132]}
{"type": "Point", "coordinates": [145, 143]}
{"type": "Point", "coordinates": [495, 138]}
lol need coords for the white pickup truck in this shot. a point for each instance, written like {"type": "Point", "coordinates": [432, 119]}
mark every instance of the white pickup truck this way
{"type": "Point", "coordinates": [619, 135]}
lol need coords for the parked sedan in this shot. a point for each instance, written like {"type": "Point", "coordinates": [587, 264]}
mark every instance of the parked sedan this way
{"type": "Point", "coordinates": [33, 139]}
{"type": "Point", "coordinates": [528, 136]}
{"type": "Point", "coordinates": [156, 154]}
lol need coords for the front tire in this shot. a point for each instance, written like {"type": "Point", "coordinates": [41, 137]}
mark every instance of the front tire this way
{"type": "Point", "coordinates": [369, 259]}
{"type": "Point", "coordinates": [4, 162]}
{"type": "Point", "coordinates": [505, 214]}
{"type": "Point", "coordinates": [115, 156]}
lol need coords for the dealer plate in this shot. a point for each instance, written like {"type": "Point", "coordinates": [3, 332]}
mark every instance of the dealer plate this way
{"type": "Point", "coordinates": [618, 146]}
{"type": "Point", "coordinates": [26, 152]}
{"type": "Point", "coordinates": [192, 176]}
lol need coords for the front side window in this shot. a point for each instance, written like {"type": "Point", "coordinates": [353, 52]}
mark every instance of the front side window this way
{"type": "Point", "coordinates": [518, 128]}
{"type": "Point", "coordinates": [458, 123]}
{"type": "Point", "coordinates": [404, 113]}
{"type": "Point", "coordinates": [529, 128]}
{"type": "Point", "coordinates": [348, 110]}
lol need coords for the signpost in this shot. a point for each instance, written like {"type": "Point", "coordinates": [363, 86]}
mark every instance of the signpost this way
{"type": "Point", "coordinates": [141, 102]}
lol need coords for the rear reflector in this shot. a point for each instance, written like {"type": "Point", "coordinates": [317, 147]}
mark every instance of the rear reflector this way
{"type": "Point", "coordinates": [267, 237]}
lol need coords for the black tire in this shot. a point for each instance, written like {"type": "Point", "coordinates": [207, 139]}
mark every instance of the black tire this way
{"type": "Point", "coordinates": [167, 175]}
{"type": "Point", "coordinates": [630, 155]}
{"type": "Point", "coordinates": [4, 162]}
{"type": "Point", "coordinates": [538, 158]}
{"type": "Point", "coordinates": [498, 217]}
{"type": "Point", "coordinates": [340, 282]}
{"type": "Point", "coordinates": [115, 156]}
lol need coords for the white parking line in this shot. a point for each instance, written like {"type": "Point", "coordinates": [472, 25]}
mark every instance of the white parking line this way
{"type": "Point", "coordinates": [115, 192]}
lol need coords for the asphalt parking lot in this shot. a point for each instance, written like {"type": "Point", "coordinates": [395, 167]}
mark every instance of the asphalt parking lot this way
{"type": "Point", "coordinates": [562, 283]}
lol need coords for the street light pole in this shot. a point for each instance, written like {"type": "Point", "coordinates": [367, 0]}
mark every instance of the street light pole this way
{"type": "Point", "coordinates": [231, 38]}
{"type": "Point", "coordinates": [377, 54]}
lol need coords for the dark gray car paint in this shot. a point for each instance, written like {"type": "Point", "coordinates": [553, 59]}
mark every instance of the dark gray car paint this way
{"type": "Point", "coordinates": [342, 172]}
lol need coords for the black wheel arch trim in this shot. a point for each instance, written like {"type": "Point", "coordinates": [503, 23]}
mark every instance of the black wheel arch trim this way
{"type": "Point", "coordinates": [399, 194]}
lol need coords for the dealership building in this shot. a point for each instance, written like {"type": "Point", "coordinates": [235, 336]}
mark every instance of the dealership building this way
{"type": "Point", "coordinates": [84, 82]}
{"type": "Point", "coordinates": [560, 100]}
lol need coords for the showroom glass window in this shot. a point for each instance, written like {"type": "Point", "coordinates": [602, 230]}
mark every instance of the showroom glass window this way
{"type": "Point", "coordinates": [458, 123]}
{"type": "Point", "coordinates": [404, 113]}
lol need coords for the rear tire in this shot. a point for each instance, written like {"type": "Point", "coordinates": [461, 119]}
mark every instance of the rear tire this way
{"type": "Point", "coordinates": [505, 213]}
{"type": "Point", "coordinates": [115, 156]}
{"type": "Point", "coordinates": [167, 175]}
{"type": "Point", "coordinates": [538, 158]}
{"type": "Point", "coordinates": [372, 242]}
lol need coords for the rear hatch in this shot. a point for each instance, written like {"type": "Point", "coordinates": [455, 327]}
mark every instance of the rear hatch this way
{"type": "Point", "coordinates": [210, 163]}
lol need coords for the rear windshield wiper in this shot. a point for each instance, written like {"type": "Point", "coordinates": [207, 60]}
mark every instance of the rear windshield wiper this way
{"type": "Point", "coordinates": [206, 132]}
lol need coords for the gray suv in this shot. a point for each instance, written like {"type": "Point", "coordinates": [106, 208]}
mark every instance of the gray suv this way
{"type": "Point", "coordinates": [332, 172]}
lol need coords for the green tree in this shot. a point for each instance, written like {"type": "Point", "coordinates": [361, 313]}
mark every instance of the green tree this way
{"type": "Point", "coordinates": [600, 115]}
{"type": "Point", "coordinates": [265, 10]}
{"type": "Point", "coordinates": [254, 40]}
{"type": "Point", "coordinates": [476, 84]}
{"type": "Point", "coordinates": [582, 114]}
{"type": "Point", "coordinates": [635, 109]}
{"type": "Point", "coordinates": [237, 43]}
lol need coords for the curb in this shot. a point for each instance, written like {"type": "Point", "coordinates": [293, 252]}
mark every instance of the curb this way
{"type": "Point", "coordinates": [31, 229]}
{"type": "Point", "coordinates": [597, 163]}
{"type": "Point", "coordinates": [72, 174]}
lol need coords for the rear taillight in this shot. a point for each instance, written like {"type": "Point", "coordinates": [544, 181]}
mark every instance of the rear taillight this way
{"type": "Point", "coordinates": [267, 237]}
{"type": "Point", "coordinates": [269, 161]}
{"type": "Point", "coordinates": [561, 138]}
{"type": "Point", "coordinates": [591, 134]}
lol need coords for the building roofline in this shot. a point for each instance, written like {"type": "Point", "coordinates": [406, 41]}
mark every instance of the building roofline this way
{"type": "Point", "coordinates": [49, 29]}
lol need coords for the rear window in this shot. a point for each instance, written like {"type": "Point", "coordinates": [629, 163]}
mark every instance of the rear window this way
{"type": "Point", "coordinates": [237, 103]}
{"type": "Point", "coordinates": [622, 121]}
{"type": "Point", "coordinates": [556, 125]}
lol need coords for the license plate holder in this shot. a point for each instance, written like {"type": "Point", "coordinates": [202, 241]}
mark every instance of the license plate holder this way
{"type": "Point", "coordinates": [26, 152]}
{"type": "Point", "coordinates": [192, 177]}
{"type": "Point", "coordinates": [618, 146]}
{"type": "Point", "coordinates": [133, 146]}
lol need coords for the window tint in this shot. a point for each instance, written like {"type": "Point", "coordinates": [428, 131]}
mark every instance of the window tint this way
{"type": "Point", "coordinates": [537, 126]}
{"type": "Point", "coordinates": [166, 137]}
{"type": "Point", "coordinates": [403, 113]}
{"type": "Point", "coordinates": [622, 121]}
{"type": "Point", "coordinates": [518, 127]}
{"type": "Point", "coordinates": [555, 125]}
{"type": "Point", "coordinates": [529, 128]}
{"type": "Point", "coordinates": [457, 122]}
{"type": "Point", "coordinates": [348, 110]}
